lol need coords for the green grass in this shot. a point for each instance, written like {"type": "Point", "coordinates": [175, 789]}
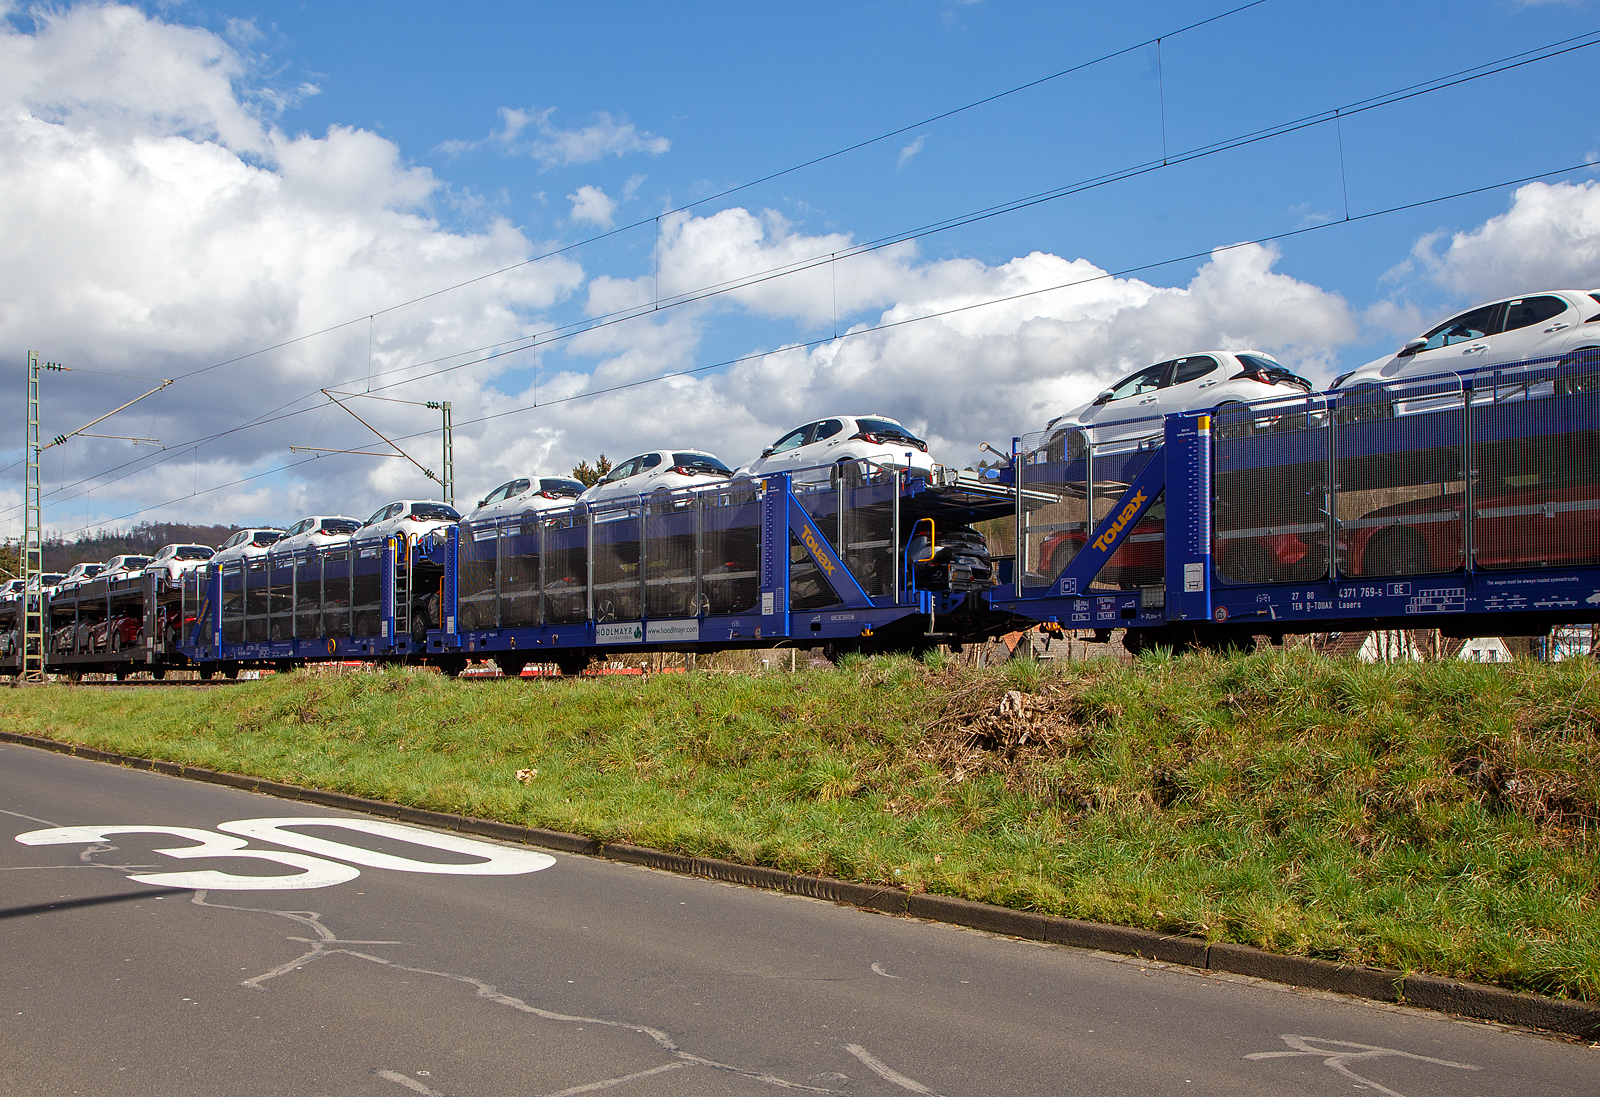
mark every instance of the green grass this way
{"type": "Point", "coordinates": [1436, 817]}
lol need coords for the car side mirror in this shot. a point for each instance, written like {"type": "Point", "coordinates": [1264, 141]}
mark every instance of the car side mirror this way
{"type": "Point", "coordinates": [1412, 347]}
{"type": "Point", "coordinates": [1103, 398]}
{"type": "Point", "coordinates": [767, 452]}
{"type": "Point", "coordinates": [482, 501]}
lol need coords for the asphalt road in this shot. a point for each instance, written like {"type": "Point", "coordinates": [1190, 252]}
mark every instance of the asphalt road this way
{"type": "Point", "coordinates": [525, 973]}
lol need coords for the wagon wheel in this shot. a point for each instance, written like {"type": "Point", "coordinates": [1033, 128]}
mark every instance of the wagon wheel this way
{"type": "Point", "coordinates": [1396, 552]}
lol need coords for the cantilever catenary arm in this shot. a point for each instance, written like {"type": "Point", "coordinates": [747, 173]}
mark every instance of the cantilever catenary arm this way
{"type": "Point", "coordinates": [426, 472]}
{"type": "Point", "coordinates": [60, 438]}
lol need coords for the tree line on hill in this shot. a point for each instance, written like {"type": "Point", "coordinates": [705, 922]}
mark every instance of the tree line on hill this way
{"type": "Point", "coordinates": [142, 540]}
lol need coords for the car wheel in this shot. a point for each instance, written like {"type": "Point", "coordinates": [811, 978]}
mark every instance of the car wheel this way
{"type": "Point", "coordinates": [605, 610]}
{"type": "Point", "coordinates": [1396, 552]}
{"type": "Point", "coordinates": [1249, 563]}
{"type": "Point", "coordinates": [1365, 404]}
{"type": "Point", "coordinates": [116, 639]}
{"type": "Point", "coordinates": [1228, 422]}
{"type": "Point", "coordinates": [660, 502]}
{"type": "Point", "coordinates": [846, 472]}
{"type": "Point", "coordinates": [1580, 372]}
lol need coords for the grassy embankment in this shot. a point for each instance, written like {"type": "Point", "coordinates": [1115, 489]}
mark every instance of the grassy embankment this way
{"type": "Point", "coordinates": [1437, 817]}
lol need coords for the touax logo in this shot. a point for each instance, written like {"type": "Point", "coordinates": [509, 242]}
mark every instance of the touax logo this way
{"type": "Point", "coordinates": [817, 554]}
{"type": "Point", "coordinates": [1103, 542]}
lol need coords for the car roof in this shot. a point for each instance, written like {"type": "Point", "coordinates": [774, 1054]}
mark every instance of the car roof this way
{"type": "Point", "coordinates": [1528, 293]}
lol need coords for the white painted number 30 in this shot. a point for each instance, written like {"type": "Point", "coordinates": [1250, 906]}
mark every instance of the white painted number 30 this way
{"type": "Point", "coordinates": [314, 871]}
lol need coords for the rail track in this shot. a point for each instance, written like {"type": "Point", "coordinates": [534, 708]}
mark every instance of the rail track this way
{"type": "Point", "coordinates": [147, 683]}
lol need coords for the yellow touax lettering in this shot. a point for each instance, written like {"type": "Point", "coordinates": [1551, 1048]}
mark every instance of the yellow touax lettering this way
{"type": "Point", "coordinates": [1103, 542]}
{"type": "Point", "coordinates": [816, 550]}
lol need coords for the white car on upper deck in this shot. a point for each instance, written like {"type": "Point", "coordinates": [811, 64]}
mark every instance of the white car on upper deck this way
{"type": "Point", "coordinates": [416, 518]}
{"type": "Point", "coordinates": [528, 493]}
{"type": "Point", "coordinates": [172, 561]}
{"type": "Point", "coordinates": [1135, 407]}
{"type": "Point", "coordinates": [120, 568]}
{"type": "Point", "coordinates": [248, 544]}
{"type": "Point", "coordinates": [79, 574]}
{"type": "Point", "coordinates": [321, 530]}
{"type": "Point", "coordinates": [844, 440]}
{"type": "Point", "coordinates": [1563, 324]}
{"type": "Point", "coordinates": [656, 474]}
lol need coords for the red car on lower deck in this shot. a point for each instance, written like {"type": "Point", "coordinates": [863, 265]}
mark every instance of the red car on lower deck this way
{"type": "Point", "coordinates": [1538, 525]}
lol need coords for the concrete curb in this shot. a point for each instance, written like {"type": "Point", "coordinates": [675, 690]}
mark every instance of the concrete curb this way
{"type": "Point", "coordinates": [1475, 1000]}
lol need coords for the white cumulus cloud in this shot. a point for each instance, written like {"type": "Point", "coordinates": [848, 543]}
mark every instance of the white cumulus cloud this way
{"type": "Point", "coordinates": [531, 132]}
{"type": "Point", "coordinates": [1548, 239]}
{"type": "Point", "coordinates": [157, 223]}
{"type": "Point", "coordinates": [590, 205]}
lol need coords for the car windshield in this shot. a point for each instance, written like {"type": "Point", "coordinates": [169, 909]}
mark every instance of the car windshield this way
{"type": "Point", "coordinates": [340, 525]}
{"type": "Point", "coordinates": [434, 512]}
{"type": "Point", "coordinates": [558, 486]}
{"type": "Point", "coordinates": [194, 552]}
{"type": "Point", "coordinates": [699, 462]}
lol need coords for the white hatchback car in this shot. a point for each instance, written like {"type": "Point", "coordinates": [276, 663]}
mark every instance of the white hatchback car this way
{"type": "Point", "coordinates": [123, 567]}
{"type": "Point", "coordinates": [1134, 407]}
{"type": "Point", "coordinates": [657, 473]}
{"type": "Point", "coordinates": [416, 518]}
{"type": "Point", "coordinates": [844, 439]}
{"type": "Point", "coordinates": [172, 561]}
{"type": "Point", "coordinates": [528, 493]}
{"type": "Point", "coordinates": [1549, 324]}
{"type": "Point", "coordinates": [79, 573]}
{"type": "Point", "coordinates": [248, 544]}
{"type": "Point", "coordinates": [319, 530]}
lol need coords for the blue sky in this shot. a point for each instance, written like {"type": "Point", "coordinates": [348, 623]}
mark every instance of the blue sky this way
{"type": "Point", "coordinates": [190, 183]}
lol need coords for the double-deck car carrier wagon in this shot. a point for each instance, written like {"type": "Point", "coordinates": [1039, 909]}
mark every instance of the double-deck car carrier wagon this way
{"type": "Point", "coordinates": [1468, 503]}
{"type": "Point", "coordinates": [852, 558]}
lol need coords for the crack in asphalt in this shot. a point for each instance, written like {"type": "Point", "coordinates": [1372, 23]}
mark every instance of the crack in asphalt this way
{"type": "Point", "coordinates": [325, 943]}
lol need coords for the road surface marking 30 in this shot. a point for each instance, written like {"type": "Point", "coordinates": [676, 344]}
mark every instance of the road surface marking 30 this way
{"type": "Point", "coordinates": [322, 870]}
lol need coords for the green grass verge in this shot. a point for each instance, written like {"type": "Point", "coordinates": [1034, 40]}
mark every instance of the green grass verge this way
{"type": "Point", "coordinates": [1427, 817]}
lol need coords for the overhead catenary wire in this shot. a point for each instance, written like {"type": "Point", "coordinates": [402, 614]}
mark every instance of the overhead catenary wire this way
{"type": "Point", "coordinates": [1517, 60]}
{"type": "Point", "coordinates": [1475, 72]}
{"type": "Point", "coordinates": [769, 177]}
{"type": "Point", "coordinates": [971, 306]}
{"type": "Point", "coordinates": [845, 150]}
